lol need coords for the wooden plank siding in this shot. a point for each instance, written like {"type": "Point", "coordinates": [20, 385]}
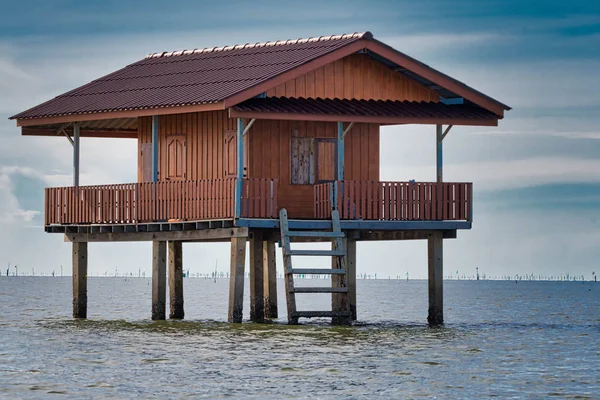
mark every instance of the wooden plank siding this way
{"type": "Point", "coordinates": [356, 76]}
{"type": "Point", "coordinates": [270, 150]}
{"type": "Point", "coordinates": [205, 143]}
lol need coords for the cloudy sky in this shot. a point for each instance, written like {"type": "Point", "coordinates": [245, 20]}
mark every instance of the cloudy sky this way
{"type": "Point", "coordinates": [536, 176]}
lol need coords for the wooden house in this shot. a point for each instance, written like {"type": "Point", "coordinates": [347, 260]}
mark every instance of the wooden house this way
{"type": "Point", "coordinates": [269, 143]}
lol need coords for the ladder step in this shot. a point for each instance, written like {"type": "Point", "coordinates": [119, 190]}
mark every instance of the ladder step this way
{"type": "Point", "coordinates": [316, 314]}
{"type": "Point", "coordinates": [316, 253]}
{"type": "Point", "coordinates": [322, 289]}
{"type": "Point", "coordinates": [319, 271]}
{"type": "Point", "coordinates": [315, 234]}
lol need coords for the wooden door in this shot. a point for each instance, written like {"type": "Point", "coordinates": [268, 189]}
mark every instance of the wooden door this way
{"type": "Point", "coordinates": [176, 163]}
{"type": "Point", "coordinates": [326, 160]}
{"type": "Point", "coordinates": [145, 163]}
{"type": "Point", "coordinates": [230, 154]}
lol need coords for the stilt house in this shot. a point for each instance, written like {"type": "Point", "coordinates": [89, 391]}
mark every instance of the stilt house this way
{"type": "Point", "coordinates": [269, 143]}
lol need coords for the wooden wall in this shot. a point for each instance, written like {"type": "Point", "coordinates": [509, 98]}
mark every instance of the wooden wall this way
{"type": "Point", "coordinates": [205, 140]}
{"type": "Point", "coordinates": [356, 76]}
{"type": "Point", "coordinates": [269, 144]}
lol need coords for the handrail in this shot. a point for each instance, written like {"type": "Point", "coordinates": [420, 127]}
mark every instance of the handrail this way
{"type": "Point", "coordinates": [159, 201]}
{"type": "Point", "coordinates": [374, 200]}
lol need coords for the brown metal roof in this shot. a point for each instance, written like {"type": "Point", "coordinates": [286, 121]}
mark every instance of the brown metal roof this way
{"type": "Point", "coordinates": [384, 110]}
{"type": "Point", "coordinates": [189, 77]}
{"type": "Point", "coordinates": [219, 77]}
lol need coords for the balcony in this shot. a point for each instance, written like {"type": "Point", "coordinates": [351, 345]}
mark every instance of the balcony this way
{"type": "Point", "coordinates": [189, 201]}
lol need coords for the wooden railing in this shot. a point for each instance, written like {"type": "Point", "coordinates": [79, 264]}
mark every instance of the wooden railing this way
{"type": "Point", "coordinates": [397, 201]}
{"type": "Point", "coordinates": [259, 198]}
{"type": "Point", "coordinates": [159, 201]}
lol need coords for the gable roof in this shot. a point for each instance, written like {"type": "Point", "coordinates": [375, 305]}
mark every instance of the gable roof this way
{"type": "Point", "coordinates": [217, 78]}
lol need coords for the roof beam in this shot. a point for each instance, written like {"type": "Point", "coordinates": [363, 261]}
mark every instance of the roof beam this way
{"type": "Point", "coordinates": [436, 77]}
{"type": "Point", "coordinates": [85, 133]}
{"type": "Point", "coordinates": [446, 132]}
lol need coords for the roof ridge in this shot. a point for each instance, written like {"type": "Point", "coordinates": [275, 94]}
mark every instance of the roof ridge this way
{"type": "Point", "coordinates": [355, 35]}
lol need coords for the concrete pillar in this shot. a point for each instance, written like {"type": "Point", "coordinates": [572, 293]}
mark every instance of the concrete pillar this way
{"type": "Point", "coordinates": [270, 279]}
{"type": "Point", "coordinates": [236, 279]}
{"type": "Point", "coordinates": [436, 272]}
{"type": "Point", "coordinates": [257, 291]}
{"type": "Point", "coordinates": [159, 279]}
{"type": "Point", "coordinates": [176, 279]}
{"type": "Point", "coordinates": [351, 274]}
{"type": "Point", "coordinates": [80, 262]}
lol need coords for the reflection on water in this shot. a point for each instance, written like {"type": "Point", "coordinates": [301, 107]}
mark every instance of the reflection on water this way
{"type": "Point", "coordinates": [534, 339]}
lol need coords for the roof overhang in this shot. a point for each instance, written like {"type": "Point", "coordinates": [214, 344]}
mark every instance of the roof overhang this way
{"type": "Point", "coordinates": [377, 112]}
{"type": "Point", "coordinates": [145, 112]}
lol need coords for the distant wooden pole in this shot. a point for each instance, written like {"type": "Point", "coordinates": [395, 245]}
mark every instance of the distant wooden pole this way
{"type": "Point", "coordinates": [176, 279]}
{"type": "Point", "coordinates": [155, 141]}
{"type": "Point", "coordinates": [351, 274]}
{"type": "Point", "coordinates": [257, 291]}
{"type": "Point", "coordinates": [435, 243]}
{"type": "Point", "coordinates": [76, 152]}
{"type": "Point", "coordinates": [270, 279]}
{"type": "Point", "coordinates": [159, 281]}
{"type": "Point", "coordinates": [80, 263]}
{"type": "Point", "coordinates": [236, 279]}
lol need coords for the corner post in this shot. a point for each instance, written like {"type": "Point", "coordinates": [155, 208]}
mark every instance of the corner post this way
{"type": "Point", "coordinates": [240, 167]}
{"type": "Point", "coordinates": [435, 282]}
{"type": "Point", "coordinates": [76, 152]}
{"type": "Point", "coordinates": [257, 299]}
{"type": "Point", "coordinates": [439, 153]}
{"type": "Point", "coordinates": [155, 148]}
{"type": "Point", "coordinates": [159, 281]}
{"type": "Point", "coordinates": [80, 261]}
{"type": "Point", "coordinates": [340, 151]}
{"type": "Point", "coordinates": [270, 279]}
{"type": "Point", "coordinates": [176, 279]}
{"type": "Point", "coordinates": [236, 279]}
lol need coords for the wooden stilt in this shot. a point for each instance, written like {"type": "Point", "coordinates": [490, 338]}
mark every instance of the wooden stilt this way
{"type": "Point", "coordinates": [270, 279]}
{"type": "Point", "coordinates": [339, 301]}
{"type": "Point", "coordinates": [351, 275]}
{"type": "Point", "coordinates": [159, 283]}
{"type": "Point", "coordinates": [176, 279]}
{"type": "Point", "coordinates": [236, 279]}
{"type": "Point", "coordinates": [435, 258]}
{"type": "Point", "coordinates": [257, 300]}
{"type": "Point", "coordinates": [80, 260]}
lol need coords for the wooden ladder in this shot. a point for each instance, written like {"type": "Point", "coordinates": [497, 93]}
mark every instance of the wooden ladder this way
{"type": "Point", "coordinates": [340, 312]}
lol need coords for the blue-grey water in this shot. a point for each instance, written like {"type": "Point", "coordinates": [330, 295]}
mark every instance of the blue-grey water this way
{"type": "Point", "coordinates": [501, 339]}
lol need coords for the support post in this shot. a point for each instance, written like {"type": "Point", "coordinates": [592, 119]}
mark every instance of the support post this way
{"type": "Point", "coordinates": [438, 153]}
{"type": "Point", "coordinates": [340, 151]}
{"type": "Point", "coordinates": [351, 274]}
{"type": "Point", "coordinates": [435, 243]}
{"type": "Point", "coordinates": [159, 279]}
{"type": "Point", "coordinates": [236, 279]}
{"type": "Point", "coordinates": [76, 152]}
{"type": "Point", "coordinates": [240, 167]}
{"type": "Point", "coordinates": [339, 301]}
{"type": "Point", "coordinates": [155, 148]}
{"type": "Point", "coordinates": [270, 279]}
{"type": "Point", "coordinates": [80, 261]}
{"type": "Point", "coordinates": [176, 279]}
{"type": "Point", "coordinates": [257, 299]}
